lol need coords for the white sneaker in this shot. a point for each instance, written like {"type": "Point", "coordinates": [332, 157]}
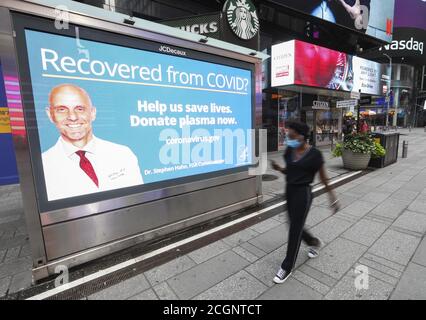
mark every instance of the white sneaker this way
{"type": "Point", "coordinates": [314, 251]}
{"type": "Point", "coordinates": [281, 276]}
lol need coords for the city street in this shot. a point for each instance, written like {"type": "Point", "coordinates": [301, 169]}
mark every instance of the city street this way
{"type": "Point", "coordinates": [161, 150]}
{"type": "Point", "coordinates": [382, 226]}
{"type": "Point", "coordinates": [380, 230]}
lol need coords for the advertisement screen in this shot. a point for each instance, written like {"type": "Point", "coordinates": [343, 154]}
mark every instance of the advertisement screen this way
{"type": "Point", "coordinates": [111, 117]}
{"type": "Point", "coordinates": [410, 14]}
{"type": "Point", "coordinates": [8, 171]}
{"type": "Point", "coordinates": [321, 67]}
{"type": "Point", "coordinates": [372, 17]}
{"type": "Point", "coordinates": [282, 64]}
{"type": "Point", "coordinates": [409, 36]}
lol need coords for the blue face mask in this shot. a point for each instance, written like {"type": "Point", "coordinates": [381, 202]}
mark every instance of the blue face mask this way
{"type": "Point", "coordinates": [293, 143]}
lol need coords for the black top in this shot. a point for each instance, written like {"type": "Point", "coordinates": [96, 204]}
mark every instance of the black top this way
{"type": "Point", "coordinates": [302, 171]}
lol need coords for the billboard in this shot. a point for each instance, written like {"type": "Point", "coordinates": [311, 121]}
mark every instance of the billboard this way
{"type": "Point", "coordinates": [408, 43]}
{"type": "Point", "coordinates": [282, 64]}
{"type": "Point", "coordinates": [299, 63]}
{"type": "Point", "coordinates": [410, 14]}
{"type": "Point", "coordinates": [372, 17]}
{"type": "Point", "coordinates": [8, 170]}
{"type": "Point", "coordinates": [114, 118]}
{"type": "Point", "coordinates": [409, 36]}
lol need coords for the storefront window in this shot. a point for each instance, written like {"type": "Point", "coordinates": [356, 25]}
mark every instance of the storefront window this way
{"type": "Point", "coordinates": [327, 126]}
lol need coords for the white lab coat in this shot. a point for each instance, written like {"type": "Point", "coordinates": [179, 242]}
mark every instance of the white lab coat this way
{"type": "Point", "coordinates": [116, 166]}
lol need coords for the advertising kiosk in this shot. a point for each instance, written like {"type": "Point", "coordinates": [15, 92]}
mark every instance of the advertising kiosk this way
{"type": "Point", "coordinates": [129, 132]}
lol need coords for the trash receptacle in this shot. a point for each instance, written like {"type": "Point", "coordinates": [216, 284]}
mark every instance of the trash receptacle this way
{"type": "Point", "coordinates": [389, 141]}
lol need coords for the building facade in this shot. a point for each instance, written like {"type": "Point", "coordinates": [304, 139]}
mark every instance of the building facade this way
{"type": "Point", "coordinates": [322, 23]}
{"type": "Point", "coordinates": [406, 56]}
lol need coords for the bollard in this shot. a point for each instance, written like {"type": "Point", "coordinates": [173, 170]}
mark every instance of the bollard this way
{"type": "Point", "coordinates": [404, 149]}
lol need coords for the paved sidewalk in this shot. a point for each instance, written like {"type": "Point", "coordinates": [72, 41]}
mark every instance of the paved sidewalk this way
{"type": "Point", "coordinates": [381, 226]}
{"type": "Point", "coordinates": [15, 254]}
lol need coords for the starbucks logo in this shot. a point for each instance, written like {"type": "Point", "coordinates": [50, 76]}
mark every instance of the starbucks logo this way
{"type": "Point", "coordinates": [242, 18]}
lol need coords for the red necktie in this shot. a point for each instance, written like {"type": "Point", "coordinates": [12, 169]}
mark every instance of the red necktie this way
{"type": "Point", "coordinates": [87, 167]}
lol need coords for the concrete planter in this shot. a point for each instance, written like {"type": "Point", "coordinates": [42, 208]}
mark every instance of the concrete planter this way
{"type": "Point", "coordinates": [355, 161]}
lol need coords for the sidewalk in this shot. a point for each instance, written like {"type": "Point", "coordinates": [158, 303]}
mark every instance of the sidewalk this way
{"type": "Point", "coordinates": [15, 254]}
{"type": "Point", "coordinates": [381, 226]}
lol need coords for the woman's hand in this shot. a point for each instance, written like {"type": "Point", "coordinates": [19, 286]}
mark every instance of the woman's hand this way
{"type": "Point", "coordinates": [334, 202]}
{"type": "Point", "coordinates": [276, 167]}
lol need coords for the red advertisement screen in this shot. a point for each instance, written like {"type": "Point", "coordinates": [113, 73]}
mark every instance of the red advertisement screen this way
{"type": "Point", "coordinates": [318, 66]}
{"type": "Point", "coordinates": [300, 63]}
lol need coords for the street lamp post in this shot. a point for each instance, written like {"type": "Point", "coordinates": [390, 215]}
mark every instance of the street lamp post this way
{"type": "Point", "coordinates": [389, 90]}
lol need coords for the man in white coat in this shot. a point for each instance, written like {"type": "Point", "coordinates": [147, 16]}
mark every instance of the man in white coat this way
{"type": "Point", "coordinates": [80, 163]}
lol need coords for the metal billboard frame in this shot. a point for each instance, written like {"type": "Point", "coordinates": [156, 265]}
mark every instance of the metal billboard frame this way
{"type": "Point", "coordinates": [53, 240]}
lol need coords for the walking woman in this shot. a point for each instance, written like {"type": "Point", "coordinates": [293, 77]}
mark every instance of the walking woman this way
{"type": "Point", "coordinates": [302, 163]}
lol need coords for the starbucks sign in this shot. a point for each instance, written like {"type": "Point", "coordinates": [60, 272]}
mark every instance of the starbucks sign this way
{"type": "Point", "coordinates": [242, 18]}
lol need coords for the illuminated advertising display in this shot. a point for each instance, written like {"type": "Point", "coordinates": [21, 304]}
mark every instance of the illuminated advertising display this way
{"type": "Point", "coordinates": [410, 14]}
{"type": "Point", "coordinates": [371, 17]}
{"type": "Point", "coordinates": [282, 64]}
{"type": "Point", "coordinates": [409, 36]}
{"type": "Point", "coordinates": [8, 170]}
{"type": "Point", "coordinates": [4, 120]}
{"type": "Point", "coordinates": [4, 110]}
{"type": "Point", "coordinates": [300, 63]}
{"type": "Point", "coordinates": [115, 118]}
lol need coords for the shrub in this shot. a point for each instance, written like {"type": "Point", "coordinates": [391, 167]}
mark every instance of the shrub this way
{"type": "Point", "coordinates": [360, 143]}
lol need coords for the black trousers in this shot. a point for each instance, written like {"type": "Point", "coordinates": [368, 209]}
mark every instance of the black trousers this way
{"type": "Point", "coordinates": [299, 200]}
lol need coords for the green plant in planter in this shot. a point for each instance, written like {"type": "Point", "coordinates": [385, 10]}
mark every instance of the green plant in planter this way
{"type": "Point", "coordinates": [337, 151]}
{"type": "Point", "coordinates": [360, 143]}
{"type": "Point", "coordinates": [379, 151]}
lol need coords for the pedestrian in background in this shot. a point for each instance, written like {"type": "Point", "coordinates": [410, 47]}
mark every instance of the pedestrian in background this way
{"type": "Point", "coordinates": [364, 126]}
{"type": "Point", "coordinates": [348, 127]}
{"type": "Point", "coordinates": [302, 164]}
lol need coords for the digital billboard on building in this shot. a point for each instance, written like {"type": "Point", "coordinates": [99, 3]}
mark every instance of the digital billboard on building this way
{"type": "Point", "coordinates": [300, 63]}
{"type": "Point", "coordinates": [372, 17]}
